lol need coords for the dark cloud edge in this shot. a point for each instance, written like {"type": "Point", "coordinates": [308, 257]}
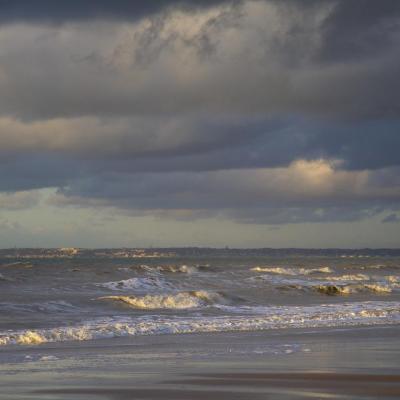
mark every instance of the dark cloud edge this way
{"type": "Point", "coordinates": [49, 11]}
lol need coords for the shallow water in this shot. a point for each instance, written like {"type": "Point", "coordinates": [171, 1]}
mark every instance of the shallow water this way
{"type": "Point", "coordinates": [92, 297]}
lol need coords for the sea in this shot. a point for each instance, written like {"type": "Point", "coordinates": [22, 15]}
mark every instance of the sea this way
{"type": "Point", "coordinates": [124, 323]}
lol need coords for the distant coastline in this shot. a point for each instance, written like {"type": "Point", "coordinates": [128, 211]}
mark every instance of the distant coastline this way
{"type": "Point", "coordinates": [171, 252]}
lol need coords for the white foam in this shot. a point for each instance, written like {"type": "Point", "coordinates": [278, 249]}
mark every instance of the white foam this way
{"type": "Point", "coordinates": [293, 271]}
{"type": "Point", "coordinates": [327, 315]}
{"type": "Point", "coordinates": [349, 278]}
{"type": "Point", "coordinates": [184, 269]}
{"type": "Point", "coordinates": [393, 278]}
{"type": "Point", "coordinates": [48, 358]}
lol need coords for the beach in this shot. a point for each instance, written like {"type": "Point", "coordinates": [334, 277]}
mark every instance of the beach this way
{"type": "Point", "coordinates": [337, 364]}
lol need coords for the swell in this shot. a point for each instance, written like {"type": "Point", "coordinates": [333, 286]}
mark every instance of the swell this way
{"type": "Point", "coordinates": [326, 315]}
{"type": "Point", "coordinates": [336, 285]}
{"type": "Point", "coordinates": [44, 307]}
{"type": "Point", "coordinates": [22, 264]}
{"type": "Point", "coordinates": [181, 300]}
{"type": "Point", "coordinates": [332, 289]}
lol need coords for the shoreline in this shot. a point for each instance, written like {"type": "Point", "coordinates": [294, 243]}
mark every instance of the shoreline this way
{"type": "Point", "coordinates": [331, 363]}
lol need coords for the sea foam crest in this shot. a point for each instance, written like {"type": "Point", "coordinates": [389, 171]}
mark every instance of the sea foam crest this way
{"type": "Point", "coordinates": [393, 279]}
{"type": "Point", "coordinates": [342, 285]}
{"type": "Point", "coordinates": [352, 288]}
{"type": "Point", "coordinates": [182, 300]}
{"type": "Point", "coordinates": [183, 269]}
{"type": "Point", "coordinates": [141, 283]}
{"type": "Point", "coordinates": [349, 278]}
{"type": "Point", "coordinates": [293, 271]}
{"type": "Point", "coordinates": [278, 317]}
{"type": "Point", "coordinates": [371, 266]}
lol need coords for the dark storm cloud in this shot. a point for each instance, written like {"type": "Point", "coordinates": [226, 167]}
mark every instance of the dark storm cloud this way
{"type": "Point", "coordinates": [306, 191]}
{"type": "Point", "coordinates": [299, 215]}
{"type": "Point", "coordinates": [36, 171]}
{"type": "Point", "coordinates": [201, 143]}
{"type": "Point", "coordinates": [370, 144]}
{"type": "Point", "coordinates": [40, 11]}
{"type": "Point", "coordinates": [353, 29]}
{"type": "Point", "coordinates": [360, 28]}
{"type": "Point", "coordinates": [250, 58]}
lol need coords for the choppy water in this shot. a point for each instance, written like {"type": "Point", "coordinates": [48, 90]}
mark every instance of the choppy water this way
{"type": "Point", "coordinates": [88, 297]}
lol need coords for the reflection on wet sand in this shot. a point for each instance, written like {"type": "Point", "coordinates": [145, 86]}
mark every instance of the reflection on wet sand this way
{"type": "Point", "coordinates": [254, 386]}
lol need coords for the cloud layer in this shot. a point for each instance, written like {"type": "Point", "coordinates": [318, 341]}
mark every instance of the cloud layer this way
{"type": "Point", "coordinates": [257, 111]}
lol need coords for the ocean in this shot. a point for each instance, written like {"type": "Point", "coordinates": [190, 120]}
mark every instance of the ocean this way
{"type": "Point", "coordinates": [181, 323]}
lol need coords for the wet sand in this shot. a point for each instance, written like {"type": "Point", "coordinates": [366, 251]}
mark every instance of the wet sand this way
{"type": "Point", "coordinates": [334, 364]}
{"type": "Point", "coordinates": [254, 386]}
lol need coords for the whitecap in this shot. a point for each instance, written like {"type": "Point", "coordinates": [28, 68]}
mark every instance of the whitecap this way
{"type": "Point", "coordinates": [293, 271]}
{"type": "Point", "coordinates": [330, 289]}
{"type": "Point", "coordinates": [277, 317]}
{"type": "Point", "coordinates": [48, 358]}
{"type": "Point", "coordinates": [173, 269]}
{"type": "Point", "coordinates": [331, 285]}
{"type": "Point", "coordinates": [349, 278]}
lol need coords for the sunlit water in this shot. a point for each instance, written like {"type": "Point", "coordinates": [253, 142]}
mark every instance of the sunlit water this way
{"type": "Point", "coordinates": [94, 297]}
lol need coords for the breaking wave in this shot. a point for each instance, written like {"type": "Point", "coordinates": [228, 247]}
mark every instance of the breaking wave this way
{"type": "Point", "coordinates": [393, 279]}
{"type": "Point", "coordinates": [349, 278]}
{"type": "Point", "coordinates": [325, 315]}
{"type": "Point", "coordinates": [147, 283]}
{"type": "Point", "coordinates": [183, 269]}
{"type": "Point", "coordinates": [334, 285]}
{"type": "Point", "coordinates": [352, 288]}
{"type": "Point", "coordinates": [293, 271]}
{"type": "Point", "coordinates": [182, 300]}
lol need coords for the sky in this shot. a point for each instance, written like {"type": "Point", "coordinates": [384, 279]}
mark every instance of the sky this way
{"type": "Point", "coordinates": [266, 123]}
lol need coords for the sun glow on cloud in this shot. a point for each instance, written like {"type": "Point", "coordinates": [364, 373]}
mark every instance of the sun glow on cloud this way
{"type": "Point", "coordinates": [302, 184]}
